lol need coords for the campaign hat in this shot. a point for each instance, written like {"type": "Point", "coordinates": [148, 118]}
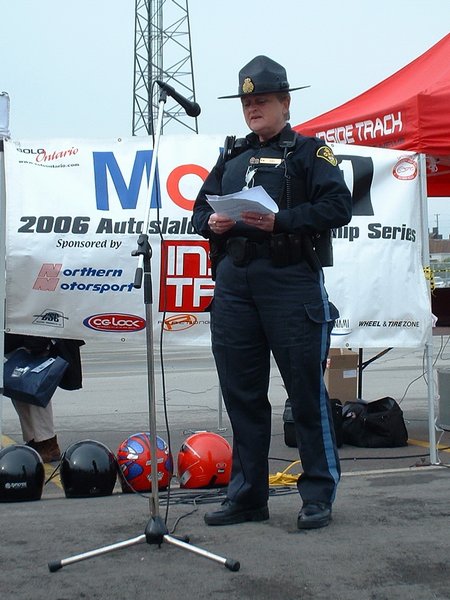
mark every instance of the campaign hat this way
{"type": "Point", "coordinates": [262, 75]}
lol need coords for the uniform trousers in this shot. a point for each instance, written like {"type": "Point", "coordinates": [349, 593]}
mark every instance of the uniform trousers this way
{"type": "Point", "coordinates": [258, 309]}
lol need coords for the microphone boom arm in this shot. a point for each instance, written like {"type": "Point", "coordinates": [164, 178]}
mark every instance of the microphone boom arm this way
{"type": "Point", "coordinates": [192, 108]}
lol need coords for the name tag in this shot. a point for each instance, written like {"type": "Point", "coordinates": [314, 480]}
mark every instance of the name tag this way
{"type": "Point", "coordinates": [265, 161]}
{"type": "Point", "coordinates": [270, 161]}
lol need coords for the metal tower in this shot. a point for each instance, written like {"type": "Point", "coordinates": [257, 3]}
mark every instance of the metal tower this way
{"type": "Point", "coordinates": [162, 51]}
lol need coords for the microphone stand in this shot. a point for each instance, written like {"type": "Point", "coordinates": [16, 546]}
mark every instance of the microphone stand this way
{"type": "Point", "coordinates": [156, 530]}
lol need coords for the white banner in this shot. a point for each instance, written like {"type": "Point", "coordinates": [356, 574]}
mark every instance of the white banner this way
{"type": "Point", "coordinates": [378, 282]}
{"type": "Point", "coordinates": [75, 210]}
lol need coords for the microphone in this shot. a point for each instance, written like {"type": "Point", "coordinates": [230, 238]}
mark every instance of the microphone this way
{"type": "Point", "coordinates": [192, 108]}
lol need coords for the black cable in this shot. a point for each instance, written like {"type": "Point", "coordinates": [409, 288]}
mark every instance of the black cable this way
{"type": "Point", "coordinates": [53, 473]}
{"type": "Point", "coordinates": [161, 357]}
{"type": "Point", "coordinates": [354, 458]}
{"type": "Point", "coordinates": [347, 458]}
{"type": "Point", "coordinates": [175, 525]}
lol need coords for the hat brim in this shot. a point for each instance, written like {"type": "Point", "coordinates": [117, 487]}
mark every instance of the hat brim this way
{"type": "Point", "coordinates": [242, 95]}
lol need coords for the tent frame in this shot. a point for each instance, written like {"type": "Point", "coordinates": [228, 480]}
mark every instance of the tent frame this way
{"type": "Point", "coordinates": [3, 269]}
{"type": "Point", "coordinates": [429, 343]}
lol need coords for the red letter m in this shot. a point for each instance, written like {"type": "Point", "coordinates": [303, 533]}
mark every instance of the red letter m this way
{"type": "Point", "coordinates": [47, 280]}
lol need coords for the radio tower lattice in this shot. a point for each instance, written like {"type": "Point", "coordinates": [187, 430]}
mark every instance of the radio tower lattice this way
{"type": "Point", "coordinates": [162, 52]}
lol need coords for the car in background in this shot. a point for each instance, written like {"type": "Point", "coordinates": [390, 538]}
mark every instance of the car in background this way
{"type": "Point", "coordinates": [439, 282]}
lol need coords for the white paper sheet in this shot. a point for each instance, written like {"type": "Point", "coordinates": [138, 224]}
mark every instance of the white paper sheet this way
{"type": "Point", "coordinates": [254, 199]}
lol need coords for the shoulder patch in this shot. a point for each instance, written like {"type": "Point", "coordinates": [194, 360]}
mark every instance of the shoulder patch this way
{"type": "Point", "coordinates": [327, 154]}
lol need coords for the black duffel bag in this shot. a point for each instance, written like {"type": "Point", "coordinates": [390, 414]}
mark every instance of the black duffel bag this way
{"type": "Point", "coordinates": [376, 424]}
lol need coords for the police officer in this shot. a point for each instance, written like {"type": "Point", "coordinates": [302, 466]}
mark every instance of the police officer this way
{"type": "Point", "coordinates": [270, 297]}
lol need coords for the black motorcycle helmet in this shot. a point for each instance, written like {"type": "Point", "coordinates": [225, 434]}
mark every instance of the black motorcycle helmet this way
{"type": "Point", "coordinates": [88, 468]}
{"type": "Point", "coordinates": [21, 474]}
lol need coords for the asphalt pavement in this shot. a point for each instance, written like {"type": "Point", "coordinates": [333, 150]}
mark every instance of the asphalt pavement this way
{"type": "Point", "coordinates": [389, 538]}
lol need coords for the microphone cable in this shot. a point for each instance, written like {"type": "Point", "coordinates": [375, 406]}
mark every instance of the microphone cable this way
{"type": "Point", "coordinates": [163, 267]}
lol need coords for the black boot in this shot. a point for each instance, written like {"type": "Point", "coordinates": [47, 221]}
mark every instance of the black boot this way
{"type": "Point", "coordinates": [48, 449]}
{"type": "Point", "coordinates": [314, 515]}
{"type": "Point", "coordinates": [232, 512]}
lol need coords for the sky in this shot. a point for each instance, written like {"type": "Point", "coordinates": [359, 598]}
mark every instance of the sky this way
{"type": "Point", "coordinates": [68, 67]}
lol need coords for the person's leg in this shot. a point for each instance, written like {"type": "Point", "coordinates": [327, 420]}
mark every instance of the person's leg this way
{"type": "Point", "coordinates": [298, 327]}
{"type": "Point", "coordinates": [38, 429]}
{"type": "Point", "coordinates": [301, 370]}
{"type": "Point", "coordinates": [243, 375]}
{"type": "Point", "coordinates": [25, 413]}
{"type": "Point", "coordinates": [243, 365]}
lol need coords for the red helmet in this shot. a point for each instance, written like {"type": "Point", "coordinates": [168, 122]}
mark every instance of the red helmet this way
{"type": "Point", "coordinates": [204, 460]}
{"type": "Point", "coordinates": [134, 458]}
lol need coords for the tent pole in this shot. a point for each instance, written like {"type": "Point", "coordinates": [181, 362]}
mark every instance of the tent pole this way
{"type": "Point", "coordinates": [429, 343]}
{"type": "Point", "coordinates": [2, 277]}
{"type": "Point", "coordinates": [431, 413]}
{"type": "Point", "coordinates": [4, 135]}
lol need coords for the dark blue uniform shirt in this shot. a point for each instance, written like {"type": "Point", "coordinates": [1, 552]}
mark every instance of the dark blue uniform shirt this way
{"type": "Point", "coordinates": [320, 199]}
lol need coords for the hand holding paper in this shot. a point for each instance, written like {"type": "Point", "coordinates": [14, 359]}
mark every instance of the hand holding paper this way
{"type": "Point", "coordinates": [254, 199]}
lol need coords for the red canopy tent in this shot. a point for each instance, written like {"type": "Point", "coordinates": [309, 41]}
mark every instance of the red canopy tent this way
{"type": "Point", "coordinates": [409, 110]}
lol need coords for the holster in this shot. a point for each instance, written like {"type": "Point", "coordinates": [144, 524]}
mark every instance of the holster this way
{"type": "Point", "coordinates": [310, 254]}
{"type": "Point", "coordinates": [238, 249]}
{"type": "Point", "coordinates": [323, 247]}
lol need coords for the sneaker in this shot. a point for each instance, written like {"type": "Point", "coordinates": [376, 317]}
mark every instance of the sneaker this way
{"type": "Point", "coordinates": [232, 513]}
{"type": "Point", "coordinates": [314, 515]}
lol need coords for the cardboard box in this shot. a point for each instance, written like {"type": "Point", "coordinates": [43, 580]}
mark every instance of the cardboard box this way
{"type": "Point", "coordinates": [341, 374]}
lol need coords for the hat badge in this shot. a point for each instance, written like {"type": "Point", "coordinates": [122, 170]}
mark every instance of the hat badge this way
{"type": "Point", "coordinates": [248, 86]}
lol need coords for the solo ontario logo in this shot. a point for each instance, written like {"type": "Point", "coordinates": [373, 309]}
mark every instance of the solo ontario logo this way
{"type": "Point", "coordinates": [115, 322]}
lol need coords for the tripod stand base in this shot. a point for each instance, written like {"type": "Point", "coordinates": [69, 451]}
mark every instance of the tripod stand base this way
{"type": "Point", "coordinates": [155, 533]}
{"type": "Point", "coordinates": [229, 563]}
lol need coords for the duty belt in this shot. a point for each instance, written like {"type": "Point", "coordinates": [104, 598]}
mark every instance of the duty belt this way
{"type": "Point", "coordinates": [283, 249]}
